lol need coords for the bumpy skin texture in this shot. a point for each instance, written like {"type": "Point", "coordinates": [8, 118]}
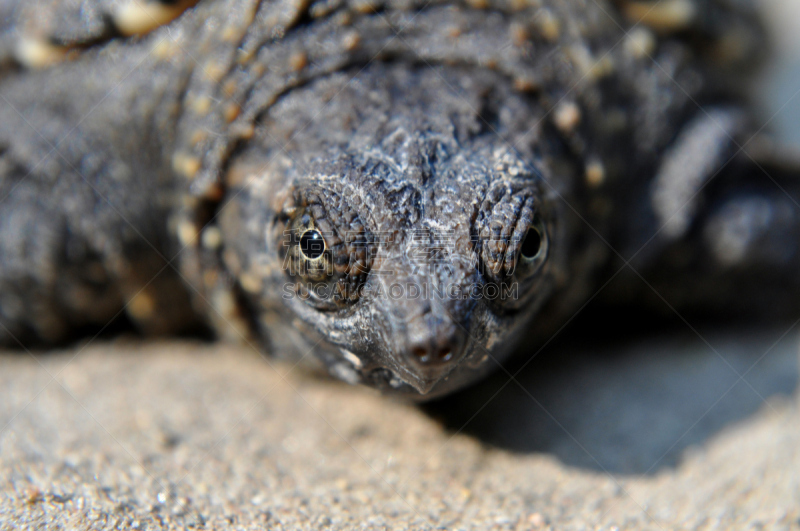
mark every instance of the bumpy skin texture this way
{"type": "Point", "coordinates": [177, 171]}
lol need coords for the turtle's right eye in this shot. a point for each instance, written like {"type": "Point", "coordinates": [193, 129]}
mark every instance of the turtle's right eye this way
{"type": "Point", "coordinates": [312, 244]}
{"type": "Point", "coordinates": [327, 253]}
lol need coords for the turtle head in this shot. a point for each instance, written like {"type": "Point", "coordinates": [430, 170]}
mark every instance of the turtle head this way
{"type": "Point", "coordinates": [396, 238]}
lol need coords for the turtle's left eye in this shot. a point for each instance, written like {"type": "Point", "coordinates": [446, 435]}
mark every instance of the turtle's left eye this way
{"type": "Point", "coordinates": [327, 254]}
{"type": "Point", "coordinates": [512, 242]}
{"type": "Point", "coordinates": [532, 244]}
{"type": "Point", "coordinates": [532, 248]}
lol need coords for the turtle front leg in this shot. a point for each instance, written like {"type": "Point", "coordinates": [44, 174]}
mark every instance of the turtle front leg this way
{"type": "Point", "coordinates": [740, 253]}
{"type": "Point", "coordinates": [71, 263]}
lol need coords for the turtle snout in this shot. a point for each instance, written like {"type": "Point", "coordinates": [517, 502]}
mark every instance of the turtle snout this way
{"type": "Point", "coordinates": [433, 347]}
{"type": "Point", "coordinates": [436, 342]}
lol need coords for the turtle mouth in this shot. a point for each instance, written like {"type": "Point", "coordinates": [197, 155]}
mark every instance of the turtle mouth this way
{"type": "Point", "coordinates": [388, 381]}
{"type": "Point", "coordinates": [407, 373]}
{"type": "Point", "coordinates": [351, 370]}
{"type": "Point", "coordinates": [412, 384]}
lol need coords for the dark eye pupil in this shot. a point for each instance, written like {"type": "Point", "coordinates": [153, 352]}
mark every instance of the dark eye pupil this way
{"type": "Point", "coordinates": [531, 244]}
{"type": "Point", "coordinates": [311, 244]}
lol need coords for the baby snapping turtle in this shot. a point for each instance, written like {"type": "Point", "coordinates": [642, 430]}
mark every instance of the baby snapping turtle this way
{"type": "Point", "coordinates": [401, 190]}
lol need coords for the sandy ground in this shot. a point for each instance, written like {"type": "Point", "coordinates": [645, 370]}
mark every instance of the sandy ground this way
{"type": "Point", "coordinates": [676, 432]}
{"type": "Point", "coordinates": [667, 434]}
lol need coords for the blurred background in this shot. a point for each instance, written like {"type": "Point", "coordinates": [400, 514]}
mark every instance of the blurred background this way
{"type": "Point", "coordinates": [783, 75]}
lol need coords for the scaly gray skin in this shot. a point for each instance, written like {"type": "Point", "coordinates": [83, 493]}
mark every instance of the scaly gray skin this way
{"type": "Point", "coordinates": [176, 171]}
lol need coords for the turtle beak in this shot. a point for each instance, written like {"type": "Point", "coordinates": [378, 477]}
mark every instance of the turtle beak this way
{"type": "Point", "coordinates": [434, 345]}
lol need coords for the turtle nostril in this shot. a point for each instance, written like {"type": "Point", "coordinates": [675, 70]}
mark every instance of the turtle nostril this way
{"type": "Point", "coordinates": [421, 354]}
{"type": "Point", "coordinates": [425, 356]}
